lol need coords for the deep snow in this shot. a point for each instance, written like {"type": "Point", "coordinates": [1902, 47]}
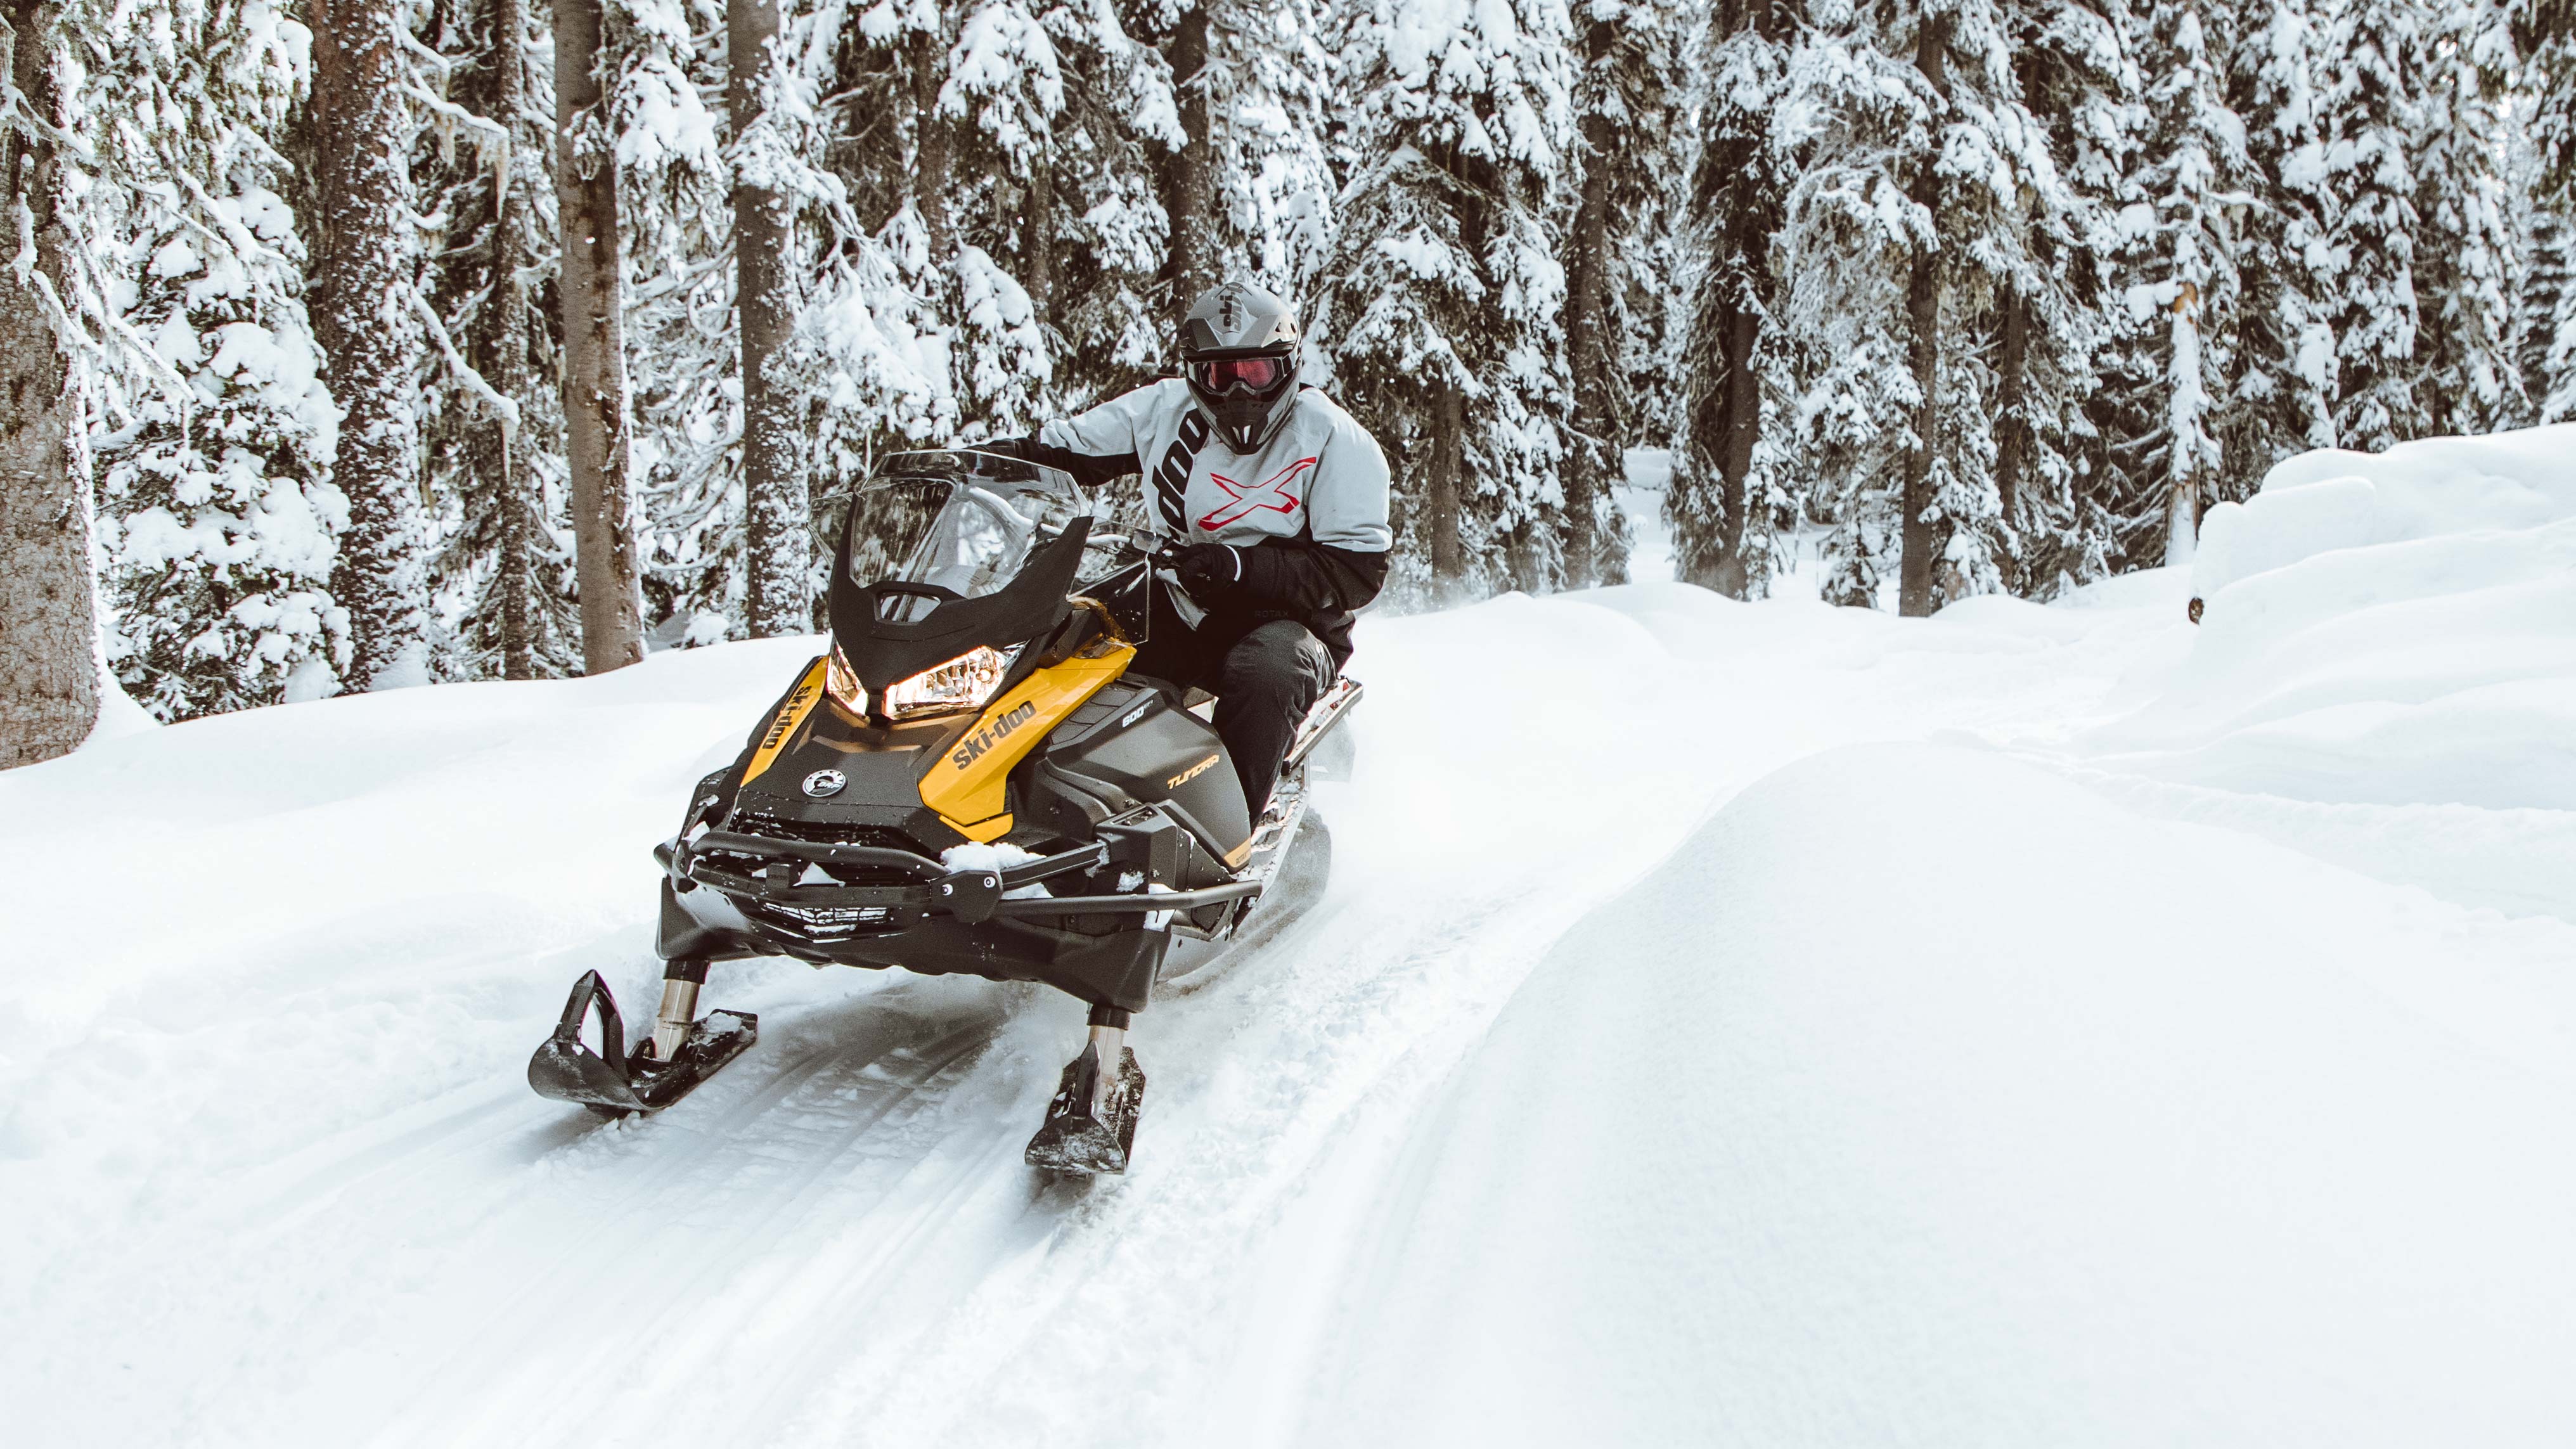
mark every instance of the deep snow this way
{"type": "Point", "coordinates": [1749, 1024]}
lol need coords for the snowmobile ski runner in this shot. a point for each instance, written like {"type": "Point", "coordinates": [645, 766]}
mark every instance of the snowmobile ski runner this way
{"type": "Point", "coordinates": [969, 781]}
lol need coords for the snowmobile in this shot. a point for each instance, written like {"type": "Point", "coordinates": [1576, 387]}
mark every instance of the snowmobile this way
{"type": "Point", "coordinates": [970, 781]}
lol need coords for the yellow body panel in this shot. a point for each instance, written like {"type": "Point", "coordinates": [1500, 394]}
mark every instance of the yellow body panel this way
{"type": "Point", "coordinates": [800, 703]}
{"type": "Point", "coordinates": [965, 785]}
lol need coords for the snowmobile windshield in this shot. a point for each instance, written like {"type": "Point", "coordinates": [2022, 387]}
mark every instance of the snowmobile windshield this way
{"type": "Point", "coordinates": [958, 523]}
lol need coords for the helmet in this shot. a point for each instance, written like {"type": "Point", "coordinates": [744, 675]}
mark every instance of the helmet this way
{"type": "Point", "coordinates": [1239, 353]}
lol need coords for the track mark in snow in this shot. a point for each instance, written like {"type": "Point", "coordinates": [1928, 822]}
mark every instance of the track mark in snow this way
{"type": "Point", "coordinates": [697, 1223]}
{"type": "Point", "coordinates": [316, 1190]}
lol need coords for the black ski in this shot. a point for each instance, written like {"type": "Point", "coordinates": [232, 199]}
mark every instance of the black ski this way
{"type": "Point", "coordinates": [614, 1082]}
{"type": "Point", "coordinates": [1088, 1130]}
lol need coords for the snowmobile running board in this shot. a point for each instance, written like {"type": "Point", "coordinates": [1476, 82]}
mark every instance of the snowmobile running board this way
{"type": "Point", "coordinates": [613, 1082]}
{"type": "Point", "coordinates": [1319, 722]}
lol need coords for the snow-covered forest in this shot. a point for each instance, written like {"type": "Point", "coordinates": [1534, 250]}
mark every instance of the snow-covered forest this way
{"type": "Point", "coordinates": [355, 343]}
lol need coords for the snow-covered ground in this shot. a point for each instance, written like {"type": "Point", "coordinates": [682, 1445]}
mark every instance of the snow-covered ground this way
{"type": "Point", "coordinates": [1760, 1024]}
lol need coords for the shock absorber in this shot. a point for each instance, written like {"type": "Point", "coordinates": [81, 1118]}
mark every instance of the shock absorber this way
{"type": "Point", "coordinates": [680, 983]}
{"type": "Point", "coordinates": [1108, 1039]}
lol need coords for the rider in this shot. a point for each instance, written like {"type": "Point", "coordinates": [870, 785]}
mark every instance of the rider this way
{"type": "Point", "coordinates": [1278, 501]}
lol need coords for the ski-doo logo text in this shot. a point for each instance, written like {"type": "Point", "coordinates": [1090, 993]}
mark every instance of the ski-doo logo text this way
{"type": "Point", "coordinates": [788, 716]}
{"type": "Point", "coordinates": [982, 740]}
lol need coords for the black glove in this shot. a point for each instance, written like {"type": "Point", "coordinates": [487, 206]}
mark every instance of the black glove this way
{"type": "Point", "coordinates": [1208, 568]}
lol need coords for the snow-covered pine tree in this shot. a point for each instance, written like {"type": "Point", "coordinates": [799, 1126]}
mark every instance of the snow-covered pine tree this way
{"type": "Point", "coordinates": [663, 76]}
{"type": "Point", "coordinates": [2080, 82]}
{"type": "Point", "coordinates": [987, 121]}
{"type": "Point", "coordinates": [1720, 511]}
{"type": "Point", "coordinates": [1273, 87]}
{"type": "Point", "coordinates": [2282, 398]}
{"type": "Point", "coordinates": [2544, 35]}
{"type": "Point", "coordinates": [2371, 105]}
{"type": "Point", "coordinates": [1230, 121]}
{"type": "Point", "coordinates": [847, 362]}
{"type": "Point", "coordinates": [2466, 380]}
{"type": "Point", "coordinates": [217, 527]}
{"type": "Point", "coordinates": [943, 170]}
{"type": "Point", "coordinates": [1624, 94]}
{"type": "Point", "coordinates": [489, 426]}
{"type": "Point", "coordinates": [366, 308]}
{"type": "Point", "coordinates": [1441, 314]}
{"type": "Point", "coordinates": [1077, 213]}
{"type": "Point", "coordinates": [1924, 190]}
{"type": "Point", "coordinates": [1862, 127]}
{"type": "Point", "coordinates": [2545, 303]}
{"type": "Point", "coordinates": [2545, 327]}
{"type": "Point", "coordinates": [2179, 282]}
{"type": "Point", "coordinates": [2017, 327]}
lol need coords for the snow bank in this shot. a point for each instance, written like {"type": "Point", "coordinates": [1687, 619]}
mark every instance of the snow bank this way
{"type": "Point", "coordinates": [2331, 499]}
{"type": "Point", "coordinates": [2394, 629]}
{"type": "Point", "coordinates": [1925, 1098]}
{"type": "Point", "coordinates": [1928, 1095]}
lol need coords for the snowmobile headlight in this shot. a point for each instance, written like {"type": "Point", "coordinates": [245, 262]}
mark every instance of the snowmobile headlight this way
{"type": "Point", "coordinates": [842, 683]}
{"type": "Point", "coordinates": [964, 682]}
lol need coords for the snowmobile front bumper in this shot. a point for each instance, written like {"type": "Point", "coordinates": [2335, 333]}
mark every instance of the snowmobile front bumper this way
{"type": "Point", "coordinates": [971, 896]}
{"type": "Point", "coordinates": [729, 894]}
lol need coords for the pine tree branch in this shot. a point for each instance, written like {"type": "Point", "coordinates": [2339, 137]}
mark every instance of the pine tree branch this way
{"type": "Point", "coordinates": [506, 407]}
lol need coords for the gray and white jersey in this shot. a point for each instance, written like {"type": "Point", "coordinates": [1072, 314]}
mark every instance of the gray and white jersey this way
{"type": "Point", "coordinates": [1321, 472]}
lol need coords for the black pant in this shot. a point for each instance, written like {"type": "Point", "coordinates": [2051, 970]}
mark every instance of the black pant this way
{"type": "Point", "coordinates": [1265, 677]}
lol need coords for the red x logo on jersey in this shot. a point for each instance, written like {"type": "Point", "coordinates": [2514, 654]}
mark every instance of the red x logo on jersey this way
{"type": "Point", "coordinates": [1271, 493]}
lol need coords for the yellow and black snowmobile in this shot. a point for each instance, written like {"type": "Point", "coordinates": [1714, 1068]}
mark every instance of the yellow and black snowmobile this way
{"type": "Point", "coordinates": [972, 782]}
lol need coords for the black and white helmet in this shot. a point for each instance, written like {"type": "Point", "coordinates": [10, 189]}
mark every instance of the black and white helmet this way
{"type": "Point", "coordinates": [1239, 353]}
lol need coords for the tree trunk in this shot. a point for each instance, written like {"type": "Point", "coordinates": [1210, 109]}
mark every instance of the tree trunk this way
{"type": "Point", "coordinates": [777, 556]}
{"type": "Point", "coordinates": [2182, 497]}
{"type": "Point", "coordinates": [1190, 256]}
{"type": "Point", "coordinates": [503, 345]}
{"type": "Point", "coordinates": [1037, 236]}
{"type": "Point", "coordinates": [2182, 520]}
{"type": "Point", "coordinates": [1587, 347]}
{"type": "Point", "coordinates": [1735, 459]}
{"type": "Point", "coordinates": [594, 349]}
{"type": "Point", "coordinates": [361, 300]}
{"type": "Point", "coordinates": [49, 659]}
{"type": "Point", "coordinates": [1448, 468]}
{"type": "Point", "coordinates": [930, 140]}
{"type": "Point", "coordinates": [2012, 424]}
{"type": "Point", "coordinates": [1923, 537]}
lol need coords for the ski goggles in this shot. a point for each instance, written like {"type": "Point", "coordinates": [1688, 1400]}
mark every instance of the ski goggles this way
{"type": "Point", "coordinates": [1221, 375]}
